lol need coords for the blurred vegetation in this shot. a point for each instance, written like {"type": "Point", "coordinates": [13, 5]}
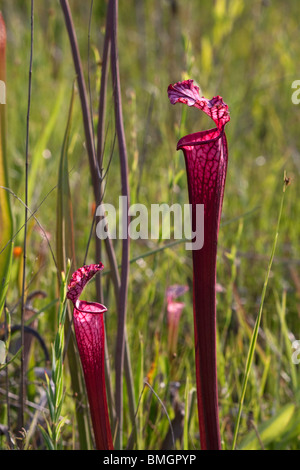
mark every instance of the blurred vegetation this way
{"type": "Point", "coordinates": [247, 52]}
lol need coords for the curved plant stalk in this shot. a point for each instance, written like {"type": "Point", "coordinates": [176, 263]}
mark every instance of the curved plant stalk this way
{"type": "Point", "coordinates": [65, 245]}
{"type": "Point", "coordinates": [23, 303]}
{"type": "Point", "coordinates": [88, 129]}
{"type": "Point", "coordinates": [65, 250]}
{"type": "Point", "coordinates": [89, 137]}
{"type": "Point", "coordinates": [206, 163]}
{"type": "Point", "coordinates": [89, 331]}
{"type": "Point", "coordinates": [120, 283]}
{"type": "Point", "coordinates": [123, 292]}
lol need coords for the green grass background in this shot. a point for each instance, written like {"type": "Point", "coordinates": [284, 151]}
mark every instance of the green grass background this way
{"type": "Point", "coordinates": [247, 52]}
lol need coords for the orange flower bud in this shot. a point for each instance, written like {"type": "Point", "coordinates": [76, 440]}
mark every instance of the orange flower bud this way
{"type": "Point", "coordinates": [17, 251]}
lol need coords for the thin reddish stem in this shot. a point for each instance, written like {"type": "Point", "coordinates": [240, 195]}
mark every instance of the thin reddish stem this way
{"type": "Point", "coordinates": [123, 292]}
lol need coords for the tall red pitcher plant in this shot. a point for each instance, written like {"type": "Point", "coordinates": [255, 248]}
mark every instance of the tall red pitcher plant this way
{"type": "Point", "coordinates": [90, 337]}
{"type": "Point", "coordinates": [206, 156]}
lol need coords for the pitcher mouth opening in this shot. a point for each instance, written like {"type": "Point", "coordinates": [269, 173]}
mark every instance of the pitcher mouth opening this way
{"type": "Point", "coordinates": [94, 308]}
{"type": "Point", "coordinates": [200, 138]}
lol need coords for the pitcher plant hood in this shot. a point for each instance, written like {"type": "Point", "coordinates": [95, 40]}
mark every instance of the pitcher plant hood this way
{"type": "Point", "coordinates": [90, 337]}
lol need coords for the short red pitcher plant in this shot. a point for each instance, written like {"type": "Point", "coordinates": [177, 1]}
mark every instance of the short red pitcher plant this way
{"type": "Point", "coordinates": [89, 331]}
{"type": "Point", "coordinates": [174, 311]}
{"type": "Point", "coordinates": [206, 158]}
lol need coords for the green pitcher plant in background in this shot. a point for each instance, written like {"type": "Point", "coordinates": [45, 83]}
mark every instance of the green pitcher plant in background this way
{"type": "Point", "coordinates": [6, 221]}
